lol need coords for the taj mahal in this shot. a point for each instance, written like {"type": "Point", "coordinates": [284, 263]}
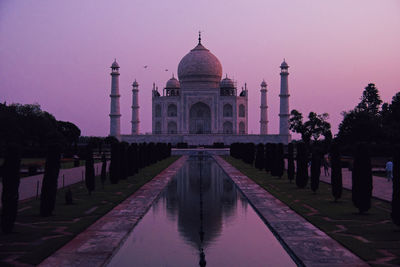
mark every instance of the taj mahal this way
{"type": "Point", "coordinates": [199, 107]}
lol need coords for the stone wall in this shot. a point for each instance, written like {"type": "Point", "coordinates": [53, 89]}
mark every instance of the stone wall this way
{"type": "Point", "coordinates": [206, 139]}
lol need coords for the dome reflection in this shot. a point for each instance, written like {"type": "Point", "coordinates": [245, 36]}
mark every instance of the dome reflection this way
{"type": "Point", "coordinates": [219, 196]}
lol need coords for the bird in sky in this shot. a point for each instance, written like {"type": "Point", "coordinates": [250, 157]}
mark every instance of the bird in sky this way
{"type": "Point", "coordinates": [145, 67]}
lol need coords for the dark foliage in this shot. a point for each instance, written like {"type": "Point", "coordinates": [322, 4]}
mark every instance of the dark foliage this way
{"type": "Point", "coordinates": [336, 172]}
{"type": "Point", "coordinates": [269, 157]}
{"type": "Point", "coordinates": [280, 160]}
{"type": "Point", "coordinates": [34, 129]}
{"type": "Point", "coordinates": [302, 169]}
{"type": "Point", "coordinates": [315, 169]}
{"type": "Point", "coordinates": [50, 178]}
{"type": "Point", "coordinates": [290, 170]}
{"type": "Point", "coordinates": [362, 179]}
{"type": "Point", "coordinates": [249, 153]}
{"type": "Point", "coordinates": [114, 164]}
{"type": "Point", "coordinates": [68, 197]}
{"type": "Point", "coordinates": [10, 180]}
{"type": "Point", "coordinates": [89, 170]}
{"type": "Point", "coordinates": [396, 188]}
{"type": "Point", "coordinates": [103, 175]}
{"type": "Point", "coordinates": [259, 162]}
{"type": "Point", "coordinates": [123, 157]}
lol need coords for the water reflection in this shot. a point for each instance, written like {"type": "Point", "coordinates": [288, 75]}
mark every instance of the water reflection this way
{"type": "Point", "coordinates": [183, 200]}
{"type": "Point", "coordinates": [201, 219]}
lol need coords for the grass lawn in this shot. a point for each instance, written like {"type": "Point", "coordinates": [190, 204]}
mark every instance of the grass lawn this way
{"type": "Point", "coordinates": [36, 238]}
{"type": "Point", "coordinates": [373, 236]}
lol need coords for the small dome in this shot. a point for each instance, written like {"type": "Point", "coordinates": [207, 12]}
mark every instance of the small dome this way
{"type": "Point", "coordinates": [173, 83]}
{"type": "Point", "coordinates": [115, 64]}
{"type": "Point", "coordinates": [227, 83]}
{"type": "Point", "coordinates": [135, 84]}
{"type": "Point", "coordinates": [284, 65]}
{"type": "Point", "coordinates": [200, 65]}
{"type": "Point", "coordinates": [263, 84]}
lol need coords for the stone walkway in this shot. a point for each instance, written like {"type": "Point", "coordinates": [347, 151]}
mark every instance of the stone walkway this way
{"type": "Point", "coordinates": [382, 189]}
{"type": "Point", "coordinates": [31, 186]}
{"type": "Point", "coordinates": [310, 246]}
{"type": "Point", "coordinates": [96, 245]}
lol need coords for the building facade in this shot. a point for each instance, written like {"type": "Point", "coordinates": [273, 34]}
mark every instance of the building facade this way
{"type": "Point", "coordinates": [201, 107]}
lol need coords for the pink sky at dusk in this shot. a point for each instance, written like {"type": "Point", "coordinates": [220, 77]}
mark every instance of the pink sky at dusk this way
{"type": "Point", "coordinates": [58, 53]}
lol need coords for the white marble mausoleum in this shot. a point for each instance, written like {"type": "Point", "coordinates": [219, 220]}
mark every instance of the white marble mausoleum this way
{"type": "Point", "coordinates": [199, 107]}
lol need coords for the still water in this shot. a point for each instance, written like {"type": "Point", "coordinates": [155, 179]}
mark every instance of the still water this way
{"type": "Point", "coordinates": [201, 219]}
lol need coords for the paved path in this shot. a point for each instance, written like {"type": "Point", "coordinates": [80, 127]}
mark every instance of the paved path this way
{"type": "Point", "coordinates": [382, 189]}
{"type": "Point", "coordinates": [310, 246]}
{"type": "Point", "coordinates": [96, 245]}
{"type": "Point", "coordinates": [31, 186]}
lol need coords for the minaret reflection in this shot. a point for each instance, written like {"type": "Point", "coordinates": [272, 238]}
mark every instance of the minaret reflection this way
{"type": "Point", "coordinates": [201, 188]}
{"type": "Point", "coordinates": [202, 261]}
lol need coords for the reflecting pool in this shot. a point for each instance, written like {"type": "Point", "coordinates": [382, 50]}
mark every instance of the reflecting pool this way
{"type": "Point", "coordinates": [201, 219]}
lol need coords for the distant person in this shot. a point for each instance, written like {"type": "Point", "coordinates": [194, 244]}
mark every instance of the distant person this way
{"type": "Point", "coordinates": [389, 170]}
{"type": "Point", "coordinates": [325, 163]}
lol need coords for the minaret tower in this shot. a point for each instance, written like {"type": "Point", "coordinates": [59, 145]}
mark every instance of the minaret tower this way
{"type": "Point", "coordinates": [284, 96]}
{"type": "Point", "coordinates": [135, 108]}
{"type": "Point", "coordinates": [115, 116]}
{"type": "Point", "coordinates": [263, 109]}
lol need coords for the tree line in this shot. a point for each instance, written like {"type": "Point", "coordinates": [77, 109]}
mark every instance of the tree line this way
{"type": "Point", "coordinates": [126, 161]}
{"type": "Point", "coordinates": [34, 129]}
{"type": "Point", "coordinates": [300, 156]}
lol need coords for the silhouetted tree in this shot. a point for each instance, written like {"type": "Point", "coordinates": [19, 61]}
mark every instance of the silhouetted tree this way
{"type": "Point", "coordinates": [114, 164]}
{"type": "Point", "coordinates": [363, 123]}
{"type": "Point", "coordinates": [301, 166]}
{"type": "Point", "coordinates": [10, 180]}
{"type": "Point", "coordinates": [68, 197]}
{"type": "Point", "coordinates": [269, 157]}
{"type": "Point", "coordinates": [89, 170]}
{"type": "Point", "coordinates": [315, 169]}
{"type": "Point", "coordinates": [290, 170]}
{"type": "Point", "coordinates": [362, 179]}
{"type": "Point", "coordinates": [396, 187]}
{"type": "Point", "coordinates": [316, 126]}
{"type": "Point", "coordinates": [259, 162]}
{"type": "Point", "coordinates": [50, 181]}
{"type": "Point", "coordinates": [103, 175]}
{"type": "Point", "coordinates": [280, 160]}
{"type": "Point", "coordinates": [123, 166]}
{"type": "Point", "coordinates": [336, 172]}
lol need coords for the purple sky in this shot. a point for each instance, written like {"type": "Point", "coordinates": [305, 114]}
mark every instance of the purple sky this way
{"type": "Point", "coordinates": [58, 53]}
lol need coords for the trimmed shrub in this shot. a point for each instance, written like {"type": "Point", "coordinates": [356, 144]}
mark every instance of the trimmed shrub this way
{"type": "Point", "coordinates": [114, 164]}
{"type": "Point", "coordinates": [315, 169]}
{"type": "Point", "coordinates": [123, 158]}
{"type": "Point", "coordinates": [89, 170]}
{"type": "Point", "coordinates": [362, 179]}
{"type": "Point", "coordinates": [396, 188]}
{"type": "Point", "coordinates": [301, 170]}
{"type": "Point", "coordinates": [336, 172]}
{"type": "Point", "coordinates": [280, 160]}
{"type": "Point", "coordinates": [259, 162]}
{"type": "Point", "coordinates": [290, 170]}
{"type": "Point", "coordinates": [9, 198]}
{"type": "Point", "coordinates": [269, 157]}
{"type": "Point", "coordinates": [50, 179]}
{"type": "Point", "coordinates": [103, 175]}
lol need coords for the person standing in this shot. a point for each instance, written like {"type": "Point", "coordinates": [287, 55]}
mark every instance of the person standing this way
{"type": "Point", "coordinates": [389, 170]}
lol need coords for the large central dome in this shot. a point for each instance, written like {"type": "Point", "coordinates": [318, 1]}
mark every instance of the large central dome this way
{"type": "Point", "coordinates": [199, 65]}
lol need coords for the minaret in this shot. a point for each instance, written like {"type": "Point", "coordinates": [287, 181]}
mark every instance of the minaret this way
{"type": "Point", "coordinates": [263, 109]}
{"type": "Point", "coordinates": [135, 108]}
{"type": "Point", "coordinates": [284, 96]}
{"type": "Point", "coordinates": [115, 125]}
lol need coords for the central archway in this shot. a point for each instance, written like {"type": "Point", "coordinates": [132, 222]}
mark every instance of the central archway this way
{"type": "Point", "coordinates": [200, 119]}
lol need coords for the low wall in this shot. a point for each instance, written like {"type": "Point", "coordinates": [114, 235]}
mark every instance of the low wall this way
{"type": "Point", "coordinates": [206, 139]}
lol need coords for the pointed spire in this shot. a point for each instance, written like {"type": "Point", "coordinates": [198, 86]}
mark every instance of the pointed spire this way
{"type": "Point", "coordinates": [199, 37]}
